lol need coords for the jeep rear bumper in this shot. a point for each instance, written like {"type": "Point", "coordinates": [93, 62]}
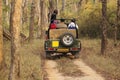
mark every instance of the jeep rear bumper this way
{"type": "Point", "coordinates": [60, 50]}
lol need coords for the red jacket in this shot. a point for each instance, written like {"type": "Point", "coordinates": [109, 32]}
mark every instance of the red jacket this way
{"type": "Point", "coordinates": [52, 26]}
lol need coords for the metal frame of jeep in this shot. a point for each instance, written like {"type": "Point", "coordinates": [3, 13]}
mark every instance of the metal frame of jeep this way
{"type": "Point", "coordinates": [66, 41]}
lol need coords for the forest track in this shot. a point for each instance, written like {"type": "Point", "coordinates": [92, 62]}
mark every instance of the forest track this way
{"type": "Point", "coordinates": [54, 74]}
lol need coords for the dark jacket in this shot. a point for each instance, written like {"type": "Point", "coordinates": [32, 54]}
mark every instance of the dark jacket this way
{"type": "Point", "coordinates": [53, 16]}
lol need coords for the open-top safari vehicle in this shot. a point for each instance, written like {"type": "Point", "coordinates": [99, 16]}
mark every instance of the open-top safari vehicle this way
{"type": "Point", "coordinates": [62, 41]}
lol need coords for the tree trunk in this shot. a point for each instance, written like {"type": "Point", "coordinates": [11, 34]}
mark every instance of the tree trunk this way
{"type": "Point", "coordinates": [15, 41]}
{"type": "Point", "coordinates": [104, 27]}
{"type": "Point", "coordinates": [39, 19]}
{"type": "Point", "coordinates": [118, 22]}
{"type": "Point", "coordinates": [80, 3]}
{"type": "Point", "coordinates": [11, 13]}
{"type": "Point", "coordinates": [94, 1]}
{"type": "Point", "coordinates": [42, 18]}
{"type": "Point", "coordinates": [24, 20]}
{"type": "Point", "coordinates": [118, 11]}
{"type": "Point", "coordinates": [51, 9]}
{"type": "Point", "coordinates": [57, 4]}
{"type": "Point", "coordinates": [31, 27]}
{"type": "Point", "coordinates": [86, 1]}
{"type": "Point", "coordinates": [52, 5]}
{"type": "Point", "coordinates": [63, 5]}
{"type": "Point", "coordinates": [1, 34]}
{"type": "Point", "coordinates": [46, 24]}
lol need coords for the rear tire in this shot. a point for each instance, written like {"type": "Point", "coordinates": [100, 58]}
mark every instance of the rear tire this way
{"type": "Point", "coordinates": [67, 39]}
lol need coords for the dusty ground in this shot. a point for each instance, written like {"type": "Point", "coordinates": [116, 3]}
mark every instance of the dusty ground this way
{"type": "Point", "coordinates": [54, 74]}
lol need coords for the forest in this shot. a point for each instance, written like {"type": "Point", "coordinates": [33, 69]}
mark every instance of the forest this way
{"type": "Point", "coordinates": [23, 24]}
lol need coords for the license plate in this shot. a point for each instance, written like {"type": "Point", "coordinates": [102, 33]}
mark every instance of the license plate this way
{"type": "Point", "coordinates": [55, 43]}
{"type": "Point", "coordinates": [62, 50]}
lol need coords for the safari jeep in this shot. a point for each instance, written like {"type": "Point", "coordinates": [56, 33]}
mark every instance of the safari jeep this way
{"type": "Point", "coordinates": [62, 41]}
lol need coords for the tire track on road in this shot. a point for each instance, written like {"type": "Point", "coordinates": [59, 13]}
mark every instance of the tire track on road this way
{"type": "Point", "coordinates": [54, 74]}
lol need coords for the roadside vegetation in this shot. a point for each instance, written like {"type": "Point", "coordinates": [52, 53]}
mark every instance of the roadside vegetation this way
{"type": "Point", "coordinates": [108, 64]}
{"type": "Point", "coordinates": [30, 61]}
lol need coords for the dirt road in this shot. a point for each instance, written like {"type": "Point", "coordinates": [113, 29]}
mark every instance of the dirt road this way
{"type": "Point", "coordinates": [54, 74]}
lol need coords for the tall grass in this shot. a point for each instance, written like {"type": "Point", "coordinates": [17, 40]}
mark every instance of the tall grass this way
{"type": "Point", "coordinates": [108, 64]}
{"type": "Point", "coordinates": [30, 62]}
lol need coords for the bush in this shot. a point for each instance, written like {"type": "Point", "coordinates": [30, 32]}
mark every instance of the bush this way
{"type": "Point", "coordinates": [90, 26]}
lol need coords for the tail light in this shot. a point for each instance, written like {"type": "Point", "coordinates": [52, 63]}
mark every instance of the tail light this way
{"type": "Point", "coordinates": [51, 49]}
{"type": "Point", "coordinates": [74, 49]}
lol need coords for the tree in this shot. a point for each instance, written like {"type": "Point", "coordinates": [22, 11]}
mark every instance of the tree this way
{"type": "Point", "coordinates": [15, 41]}
{"type": "Point", "coordinates": [94, 1]}
{"type": "Point", "coordinates": [104, 27]}
{"type": "Point", "coordinates": [52, 5]}
{"type": "Point", "coordinates": [11, 14]}
{"type": "Point", "coordinates": [42, 4]}
{"type": "Point", "coordinates": [63, 5]}
{"type": "Point", "coordinates": [31, 27]}
{"type": "Point", "coordinates": [86, 1]}
{"type": "Point", "coordinates": [38, 15]}
{"type": "Point", "coordinates": [118, 13]}
{"type": "Point", "coordinates": [24, 4]}
{"type": "Point", "coordinates": [118, 22]}
{"type": "Point", "coordinates": [1, 34]}
{"type": "Point", "coordinates": [79, 5]}
{"type": "Point", "coordinates": [51, 8]}
{"type": "Point", "coordinates": [57, 1]}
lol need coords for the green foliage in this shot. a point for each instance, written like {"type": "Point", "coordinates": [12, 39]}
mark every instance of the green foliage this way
{"type": "Point", "coordinates": [89, 18]}
{"type": "Point", "coordinates": [89, 21]}
{"type": "Point", "coordinates": [5, 9]}
{"type": "Point", "coordinates": [89, 31]}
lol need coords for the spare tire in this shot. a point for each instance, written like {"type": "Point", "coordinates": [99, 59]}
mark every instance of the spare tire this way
{"type": "Point", "coordinates": [67, 39]}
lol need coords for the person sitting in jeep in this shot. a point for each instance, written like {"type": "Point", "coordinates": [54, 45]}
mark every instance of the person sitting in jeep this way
{"type": "Point", "coordinates": [61, 24]}
{"type": "Point", "coordinates": [73, 25]}
{"type": "Point", "coordinates": [54, 14]}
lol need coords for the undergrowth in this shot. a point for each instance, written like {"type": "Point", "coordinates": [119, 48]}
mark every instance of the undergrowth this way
{"type": "Point", "coordinates": [108, 64]}
{"type": "Point", "coordinates": [30, 61]}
